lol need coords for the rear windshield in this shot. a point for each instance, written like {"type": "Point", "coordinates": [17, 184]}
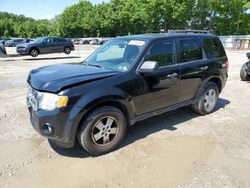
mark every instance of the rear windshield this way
{"type": "Point", "coordinates": [214, 47]}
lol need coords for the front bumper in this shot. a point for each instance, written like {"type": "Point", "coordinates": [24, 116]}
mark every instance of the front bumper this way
{"type": "Point", "coordinates": [63, 122]}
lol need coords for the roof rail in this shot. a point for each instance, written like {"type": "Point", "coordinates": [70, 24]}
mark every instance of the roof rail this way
{"type": "Point", "coordinates": [189, 31]}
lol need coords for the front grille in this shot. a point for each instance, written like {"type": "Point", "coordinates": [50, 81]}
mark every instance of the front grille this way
{"type": "Point", "coordinates": [33, 98]}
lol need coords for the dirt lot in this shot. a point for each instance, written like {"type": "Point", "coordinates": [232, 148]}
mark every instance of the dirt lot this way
{"type": "Point", "coordinates": [176, 149]}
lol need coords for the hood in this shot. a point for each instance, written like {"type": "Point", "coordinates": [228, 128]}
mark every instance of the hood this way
{"type": "Point", "coordinates": [55, 78]}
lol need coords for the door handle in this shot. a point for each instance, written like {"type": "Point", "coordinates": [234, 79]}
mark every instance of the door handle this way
{"type": "Point", "coordinates": [204, 68]}
{"type": "Point", "coordinates": [172, 75]}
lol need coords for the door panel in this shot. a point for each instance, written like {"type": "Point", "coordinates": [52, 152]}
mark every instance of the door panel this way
{"type": "Point", "coordinates": [47, 45]}
{"type": "Point", "coordinates": [194, 67]}
{"type": "Point", "coordinates": [161, 88]}
{"type": "Point", "coordinates": [58, 44]}
{"type": "Point", "coordinates": [192, 74]}
{"type": "Point", "coordinates": [157, 91]}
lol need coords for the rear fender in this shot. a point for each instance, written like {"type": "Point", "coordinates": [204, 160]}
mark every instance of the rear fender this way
{"type": "Point", "coordinates": [199, 91]}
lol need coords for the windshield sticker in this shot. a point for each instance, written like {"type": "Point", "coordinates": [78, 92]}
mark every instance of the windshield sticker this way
{"type": "Point", "coordinates": [136, 42]}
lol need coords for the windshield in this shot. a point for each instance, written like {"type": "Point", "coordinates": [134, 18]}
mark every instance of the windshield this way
{"type": "Point", "coordinates": [117, 54]}
{"type": "Point", "coordinates": [39, 40]}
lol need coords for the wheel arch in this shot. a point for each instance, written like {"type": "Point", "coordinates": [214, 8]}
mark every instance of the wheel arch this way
{"type": "Point", "coordinates": [34, 48]}
{"type": "Point", "coordinates": [67, 46]}
{"type": "Point", "coordinates": [79, 113]}
{"type": "Point", "coordinates": [215, 79]}
{"type": "Point", "coordinates": [114, 101]}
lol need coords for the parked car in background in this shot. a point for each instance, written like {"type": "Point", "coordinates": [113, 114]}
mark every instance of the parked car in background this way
{"type": "Point", "coordinates": [15, 42]}
{"type": "Point", "coordinates": [44, 45]}
{"type": "Point", "coordinates": [245, 70]}
{"type": "Point", "coordinates": [103, 41]}
{"type": "Point", "coordinates": [76, 41]}
{"type": "Point", "coordinates": [3, 41]}
{"type": "Point", "coordinates": [94, 42]}
{"type": "Point", "coordinates": [85, 42]}
{"type": "Point", "coordinates": [126, 80]}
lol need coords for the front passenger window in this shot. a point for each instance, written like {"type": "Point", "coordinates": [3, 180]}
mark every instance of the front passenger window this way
{"type": "Point", "coordinates": [48, 40]}
{"type": "Point", "coordinates": [163, 53]}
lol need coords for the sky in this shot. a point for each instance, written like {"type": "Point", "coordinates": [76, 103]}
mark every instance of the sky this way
{"type": "Point", "coordinates": [39, 9]}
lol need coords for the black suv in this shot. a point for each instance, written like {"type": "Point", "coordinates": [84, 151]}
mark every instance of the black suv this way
{"type": "Point", "coordinates": [44, 45]}
{"type": "Point", "coordinates": [126, 80]}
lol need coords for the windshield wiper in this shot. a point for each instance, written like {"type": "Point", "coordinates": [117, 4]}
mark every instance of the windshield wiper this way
{"type": "Point", "coordinates": [93, 65]}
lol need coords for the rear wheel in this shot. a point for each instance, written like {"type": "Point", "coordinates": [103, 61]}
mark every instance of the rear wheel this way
{"type": "Point", "coordinates": [67, 50]}
{"type": "Point", "coordinates": [34, 52]}
{"type": "Point", "coordinates": [243, 73]}
{"type": "Point", "coordinates": [207, 100]}
{"type": "Point", "coordinates": [102, 130]}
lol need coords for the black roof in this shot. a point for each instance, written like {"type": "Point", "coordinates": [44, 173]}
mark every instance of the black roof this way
{"type": "Point", "coordinates": [153, 36]}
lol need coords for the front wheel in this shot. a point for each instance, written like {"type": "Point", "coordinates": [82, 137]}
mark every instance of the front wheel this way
{"type": "Point", "coordinates": [34, 52]}
{"type": "Point", "coordinates": [67, 50]}
{"type": "Point", "coordinates": [207, 100]}
{"type": "Point", "coordinates": [102, 130]}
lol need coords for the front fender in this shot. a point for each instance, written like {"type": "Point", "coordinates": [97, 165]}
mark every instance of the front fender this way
{"type": "Point", "coordinates": [95, 98]}
{"type": "Point", "coordinates": [92, 99]}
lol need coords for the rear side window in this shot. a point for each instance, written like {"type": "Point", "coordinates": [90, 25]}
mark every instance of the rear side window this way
{"type": "Point", "coordinates": [163, 53]}
{"type": "Point", "coordinates": [213, 47]}
{"type": "Point", "coordinates": [190, 50]}
{"type": "Point", "coordinates": [59, 39]}
{"type": "Point", "coordinates": [48, 40]}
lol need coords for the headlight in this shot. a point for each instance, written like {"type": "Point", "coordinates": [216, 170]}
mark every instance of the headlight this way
{"type": "Point", "coordinates": [49, 101]}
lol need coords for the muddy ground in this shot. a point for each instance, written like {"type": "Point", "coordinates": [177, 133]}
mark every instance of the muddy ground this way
{"type": "Point", "coordinates": [176, 149]}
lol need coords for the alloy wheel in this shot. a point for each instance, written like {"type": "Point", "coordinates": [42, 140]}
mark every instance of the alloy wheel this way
{"type": "Point", "coordinates": [105, 130]}
{"type": "Point", "coordinates": [210, 100]}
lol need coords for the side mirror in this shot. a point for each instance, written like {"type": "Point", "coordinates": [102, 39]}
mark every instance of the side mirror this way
{"type": "Point", "coordinates": [149, 67]}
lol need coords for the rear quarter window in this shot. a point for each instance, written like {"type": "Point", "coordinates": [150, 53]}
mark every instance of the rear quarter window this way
{"type": "Point", "coordinates": [213, 47]}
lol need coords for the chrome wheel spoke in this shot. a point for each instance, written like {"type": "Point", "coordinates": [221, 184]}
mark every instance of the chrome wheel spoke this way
{"type": "Point", "coordinates": [206, 98]}
{"type": "Point", "coordinates": [100, 125]}
{"type": "Point", "coordinates": [206, 103]}
{"type": "Point", "coordinates": [210, 93]}
{"type": "Point", "coordinates": [106, 139]}
{"type": "Point", "coordinates": [98, 136]}
{"type": "Point", "coordinates": [109, 122]}
{"type": "Point", "coordinates": [113, 130]}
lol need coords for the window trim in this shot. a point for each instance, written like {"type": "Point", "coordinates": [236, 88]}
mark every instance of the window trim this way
{"type": "Point", "coordinates": [161, 41]}
{"type": "Point", "coordinates": [209, 51]}
{"type": "Point", "coordinates": [204, 56]}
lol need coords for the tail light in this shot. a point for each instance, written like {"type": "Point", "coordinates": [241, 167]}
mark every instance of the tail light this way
{"type": "Point", "coordinates": [226, 65]}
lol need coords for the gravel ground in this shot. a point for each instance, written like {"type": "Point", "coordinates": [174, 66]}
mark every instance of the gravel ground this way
{"type": "Point", "coordinates": [176, 149]}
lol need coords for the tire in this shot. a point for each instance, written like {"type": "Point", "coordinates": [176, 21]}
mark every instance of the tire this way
{"type": "Point", "coordinates": [102, 130]}
{"type": "Point", "coordinates": [34, 52]}
{"type": "Point", "coordinates": [243, 73]}
{"type": "Point", "coordinates": [207, 99]}
{"type": "Point", "coordinates": [67, 50]}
